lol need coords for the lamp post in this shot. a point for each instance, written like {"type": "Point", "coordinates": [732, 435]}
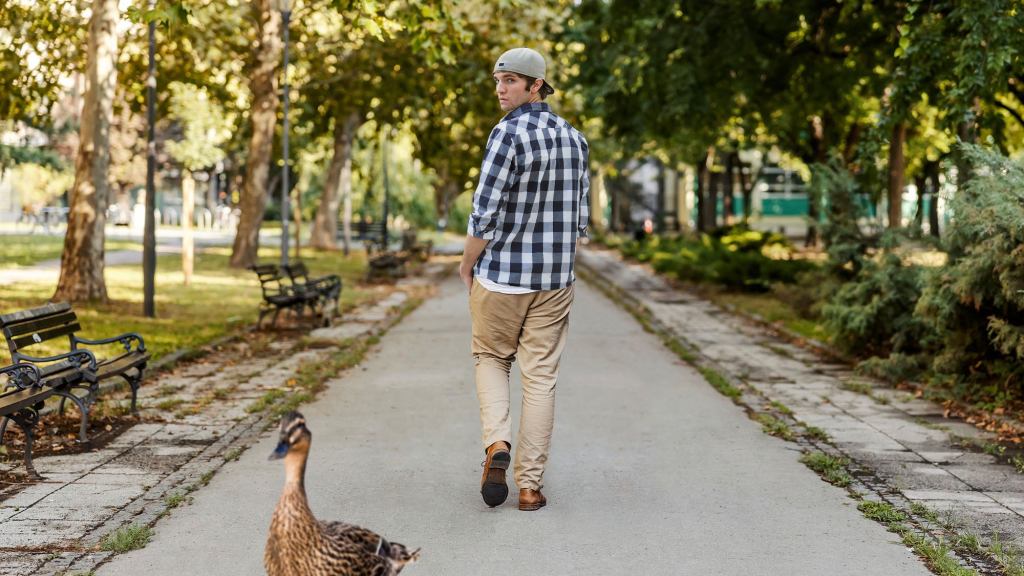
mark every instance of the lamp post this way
{"type": "Point", "coordinates": [149, 230]}
{"type": "Point", "coordinates": [286, 15]}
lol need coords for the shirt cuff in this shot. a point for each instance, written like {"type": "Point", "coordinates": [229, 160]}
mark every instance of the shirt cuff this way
{"type": "Point", "coordinates": [482, 234]}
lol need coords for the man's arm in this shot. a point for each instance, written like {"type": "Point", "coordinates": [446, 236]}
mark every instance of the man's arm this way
{"type": "Point", "coordinates": [474, 248]}
{"type": "Point", "coordinates": [488, 200]}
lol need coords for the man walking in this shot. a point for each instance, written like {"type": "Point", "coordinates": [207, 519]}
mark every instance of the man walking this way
{"type": "Point", "coordinates": [529, 209]}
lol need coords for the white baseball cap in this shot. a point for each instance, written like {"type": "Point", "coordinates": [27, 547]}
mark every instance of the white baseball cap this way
{"type": "Point", "coordinates": [524, 61]}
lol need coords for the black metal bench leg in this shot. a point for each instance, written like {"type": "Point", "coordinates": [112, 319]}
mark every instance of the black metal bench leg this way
{"type": "Point", "coordinates": [26, 419]}
{"type": "Point", "coordinates": [83, 408]}
{"type": "Point", "coordinates": [134, 382]}
{"type": "Point", "coordinates": [3, 428]}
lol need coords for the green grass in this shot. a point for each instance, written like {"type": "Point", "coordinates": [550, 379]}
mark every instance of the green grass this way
{"type": "Point", "coordinates": [857, 386]}
{"type": "Point", "coordinates": [925, 512]}
{"type": "Point", "coordinates": [780, 407]}
{"type": "Point", "coordinates": [176, 499]}
{"type": "Point", "coordinates": [1009, 558]}
{"type": "Point", "coordinates": [815, 433]}
{"type": "Point", "coordinates": [719, 382]}
{"type": "Point", "coordinates": [831, 468]}
{"type": "Point", "coordinates": [169, 404]}
{"type": "Point", "coordinates": [772, 309]}
{"type": "Point", "coordinates": [127, 538]}
{"type": "Point", "coordinates": [220, 301]}
{"type": "Point", "coordinates": [881, 511]}
{"type": "Point", "coordinates": [22, 250]}
{"type": "Point", "coordinates": [775, 427]}
{"type": "Point", "coordinates": [936, 555]}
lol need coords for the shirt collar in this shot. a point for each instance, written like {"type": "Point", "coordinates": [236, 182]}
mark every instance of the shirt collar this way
{"type": "Point", "coordinates": [527, 108]}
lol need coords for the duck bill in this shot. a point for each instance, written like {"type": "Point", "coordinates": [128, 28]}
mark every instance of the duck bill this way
{"type": "Point", "coordinates": [280, 451]}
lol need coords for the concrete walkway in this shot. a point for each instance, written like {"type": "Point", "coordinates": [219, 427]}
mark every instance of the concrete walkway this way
{"type": "Point", "coordinates": [652, 472]}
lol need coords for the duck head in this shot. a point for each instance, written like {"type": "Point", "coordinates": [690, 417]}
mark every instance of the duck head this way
{"type": "Point", "coordinates": [294, 436]}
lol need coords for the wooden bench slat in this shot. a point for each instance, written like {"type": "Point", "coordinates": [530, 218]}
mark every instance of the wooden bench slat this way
{"type": "Point", "coordinates": [46, 310]}
{"type": "Point", "coordinates": [57, 332]}
{"type": "Point", "coordinates": [121, 364]}
{"type": "Point", "coordinates": [11, 402]}
{"type": "Point", "coordinates": [15, 329]}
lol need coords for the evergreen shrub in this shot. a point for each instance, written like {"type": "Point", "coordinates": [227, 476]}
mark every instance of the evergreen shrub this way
{"type": "Point", "coordinates": [975, 304]}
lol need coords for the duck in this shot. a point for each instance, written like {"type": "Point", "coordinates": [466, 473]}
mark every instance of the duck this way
{"type": "Point", "coordinates": [300, 545]}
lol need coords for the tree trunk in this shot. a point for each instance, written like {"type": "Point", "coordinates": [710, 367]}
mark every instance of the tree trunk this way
{"type": "Point", "coordinates": [819, 153]}
{"type": "Point", "coordinates": [708, 200]}
{"type": "Point", "coordinates": [921, 183]}
{"type": "Point", "coordinates": [932, 173]}
{"type": "Point", "coordinates": [704, 181]}
{"type": "Point", "coordinates": [966, 132]}
{"type": "Point", "coordinates": [339, 185]}
{"type": "Point", "coordinates": [897, 168]}
{"type": "Point", "coordinates": [81, 266]}
{"type": "Point", "coordinates": [296, 199]}
{"type": "Point", "coordinates": [188, 202]}
{"type": "Point", "coordinates": [267, 55]}
{"type": "Point", "coordinates": [748, 192]}
{"type": "Point", "coordinates": [727, 189]}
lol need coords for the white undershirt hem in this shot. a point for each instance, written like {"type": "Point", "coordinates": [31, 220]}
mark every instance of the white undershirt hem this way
{"type": "Point", "coordinates": [503, 288]}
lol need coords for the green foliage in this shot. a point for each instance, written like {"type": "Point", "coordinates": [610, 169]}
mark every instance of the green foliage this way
{"type": "Point", "coordinates": [873, 314]}
{"type": "Point", "coordinates": [976, 302]}
{"type": "Point", "coordinates": [881, 512]}
{"type": "Point", "coordinates": [40, 184]}
{"type": "Point", "coordinates": [831, 468]}
{"type": "Point", "coordinates": [127, 538]}
{"type": "Point", "coordinates": [736, 257]}
{"type": "Point", "coordinates": [833, 186]}
{"type": "Point", "coordinates": [204, 127]}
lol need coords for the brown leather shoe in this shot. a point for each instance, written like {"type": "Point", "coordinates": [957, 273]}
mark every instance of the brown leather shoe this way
{"type": "Point", "coordinates": [492, 486]}
{"type": "Point", "coordinates": [531, 500]}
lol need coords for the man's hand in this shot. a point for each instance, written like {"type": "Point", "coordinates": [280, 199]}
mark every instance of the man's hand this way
{"type": "Point", "coordinates": [466, 274]}
{"type": "Point", "coordinates": [470, 254]}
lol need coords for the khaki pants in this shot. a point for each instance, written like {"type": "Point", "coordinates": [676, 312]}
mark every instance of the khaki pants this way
{"type": "Point", "coordinates": [531, 327]}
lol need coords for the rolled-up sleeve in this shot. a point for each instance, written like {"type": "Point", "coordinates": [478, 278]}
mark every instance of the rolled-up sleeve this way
{"type": "Point", "coordinates": [584, 221]}
{"type": "Point", "coordinates": [495, 174]}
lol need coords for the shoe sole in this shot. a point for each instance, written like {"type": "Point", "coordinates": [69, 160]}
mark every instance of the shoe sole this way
{"type": "Point", "coordinates": [494, 489]}
{"type": "Point", "coordinates": [532, 507]}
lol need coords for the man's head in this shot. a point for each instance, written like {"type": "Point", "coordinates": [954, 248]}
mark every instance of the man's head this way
{"type": "Point", "coordinates": [519, 78]}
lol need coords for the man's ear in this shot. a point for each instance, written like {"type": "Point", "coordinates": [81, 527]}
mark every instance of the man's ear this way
{"type": "Point", "coordinates": [537, 84]}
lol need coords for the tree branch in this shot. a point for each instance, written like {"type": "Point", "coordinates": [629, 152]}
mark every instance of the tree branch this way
{"type": "Point", "coordinates": [1012, 112]}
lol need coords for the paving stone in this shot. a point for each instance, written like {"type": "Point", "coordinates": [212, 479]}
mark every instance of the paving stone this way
{"type": "Point", "coordinates": [948, 495]}
{"type": "Point", "coordinates": [83, 512]}
{"type": "Point", "coordinates": [41, 533]}
{"type": "Point", "coordinates": [98, 495]}
{"type": "Point", "coordinates": [20, 563]}
{"type": "Point", "coordinates": [30, 495]}
{"type": "Point", "coordinates": [343, 331]}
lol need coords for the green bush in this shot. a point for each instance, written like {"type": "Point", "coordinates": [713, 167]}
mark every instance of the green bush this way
{"type": "Point", "coordinates": [976, 302]}
{"type": "Point", "coordinates": [873, 314]}
{"type": "Point", "coordinates": [734, 257]}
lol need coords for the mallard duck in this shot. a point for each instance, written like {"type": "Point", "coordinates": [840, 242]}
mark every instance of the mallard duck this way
{"type": "Point", "coordinates": [301, 545]}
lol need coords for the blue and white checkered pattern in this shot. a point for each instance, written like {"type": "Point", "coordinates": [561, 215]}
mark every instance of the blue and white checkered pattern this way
{"type": "Point", "coordinates": [532, 202]}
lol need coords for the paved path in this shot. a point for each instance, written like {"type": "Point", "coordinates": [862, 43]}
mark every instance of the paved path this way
{"type": "Point", "coordinates": [652, 472]}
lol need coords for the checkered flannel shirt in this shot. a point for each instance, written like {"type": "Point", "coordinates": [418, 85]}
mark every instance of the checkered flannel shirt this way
{"type": "Point", "coordinates": [532, 202]}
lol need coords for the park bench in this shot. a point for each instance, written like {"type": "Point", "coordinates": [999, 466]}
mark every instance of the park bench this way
{"type": "Point", "coordinates": [278, 296]}
{"type": "Point", "coordinates": [27, 389]}
{"type": "Point", "coordinates": [327, 288]}
{"type": "Point", "coordinates": [371, 234]}
{"type": "Point", "coordinates": [27, 328]}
